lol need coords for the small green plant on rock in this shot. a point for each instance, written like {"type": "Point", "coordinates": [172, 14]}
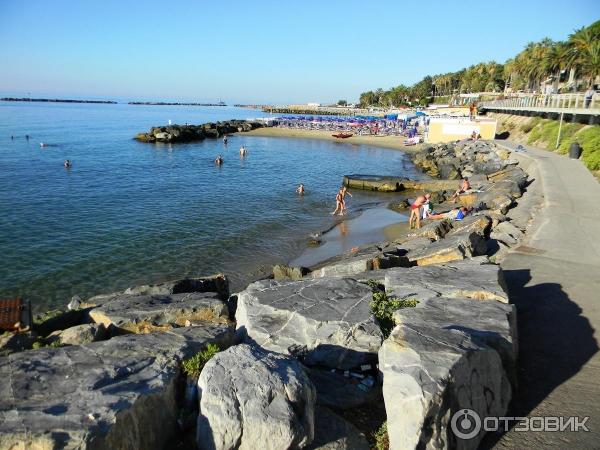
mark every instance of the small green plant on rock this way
{"type": "Point", "coordinates": [43, 343]}
{"type": "Point", "coordinates": [194, 365]}
{"type": "Point", "coordinates": [383, 307]}
{"type": "Point", "coordinates": [382, 441]}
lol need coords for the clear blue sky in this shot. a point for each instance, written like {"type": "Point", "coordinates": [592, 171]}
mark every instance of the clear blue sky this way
{"type": "Point", "coordinates": [260, 51]}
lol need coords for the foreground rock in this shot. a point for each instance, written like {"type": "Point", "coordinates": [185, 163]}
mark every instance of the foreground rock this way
{"type": "Point", "coordinates": [150, 313]}
{"type": "Point", "coordinates": [327, 321]}
{"type": "Point", "coordinates": [251, 398]}
{"type": "Point", "coordinates": [188, 133]}
{"type": "Point", "coordinates": [471, 278]}
{"type": "Point", "coordinates": [115, 394]}
{"type": "Point", "coordinates": [443, 356]}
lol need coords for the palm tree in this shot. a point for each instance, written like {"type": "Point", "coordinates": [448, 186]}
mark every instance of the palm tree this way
{"type": "Point", "coordinates": [556, 59]}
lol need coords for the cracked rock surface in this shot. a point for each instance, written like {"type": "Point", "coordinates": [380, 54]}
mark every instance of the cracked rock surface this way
{"type": "Point", "coordinates": [251, 398]}
{"type": "Point", "coordinates": [327, 319]}
{"type": "Point", "coordinates": [149, 313]}
{"type": "Point", "coordinates": [470, 278]}
{"type": "Point", "coordinates": [115, 394]}
{"type": "Point", "coordinates": [443, 356]}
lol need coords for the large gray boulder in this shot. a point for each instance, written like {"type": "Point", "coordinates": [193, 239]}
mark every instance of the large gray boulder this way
{"type": "Point", "coordinates": [470, 278]}
{"type": "Point", "coordinates": [444, 356]}
{"type": "Point", "coordinates": [252, 398]}
{"type": "Point", "coordinates": [115, 394]}
{"type": "Point", "coordinates": [325, 320]}
{"type": "Point", "coordinates": [150, 313]}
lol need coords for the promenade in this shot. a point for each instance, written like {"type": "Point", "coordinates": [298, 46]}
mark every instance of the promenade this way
{"type": "Point", "coordinates": [554, 280]}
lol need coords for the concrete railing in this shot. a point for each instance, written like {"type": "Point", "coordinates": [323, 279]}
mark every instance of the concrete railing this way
{"type": "Point", "coordinates": [552, 102]}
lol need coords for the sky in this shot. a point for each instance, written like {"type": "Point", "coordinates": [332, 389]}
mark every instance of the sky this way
{"type": "Point", "coordinates": [260, 51]}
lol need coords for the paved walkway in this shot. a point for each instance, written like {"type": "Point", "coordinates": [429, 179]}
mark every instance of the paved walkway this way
{"type": "Point", "coordinates": [554, 280]}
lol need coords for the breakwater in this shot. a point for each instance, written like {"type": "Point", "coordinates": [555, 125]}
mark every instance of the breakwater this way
{"type": "Point", "coordinates": [56, 100]}
{"type": "Point", "coordinates": [189, 133]}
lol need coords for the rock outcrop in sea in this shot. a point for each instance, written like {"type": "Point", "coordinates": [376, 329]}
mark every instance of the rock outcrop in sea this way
{"type": "Point", "coordinates": [422, 325]}
{"type": "Point", "coordinates": [189, 133]}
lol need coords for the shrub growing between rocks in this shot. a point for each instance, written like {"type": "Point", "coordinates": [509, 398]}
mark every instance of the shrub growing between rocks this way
{"type": "Point", "coordinates": [194, 365]}
{"type": "Point", "coordinates": [382, 441]}
{"type": "Point", "coordinates": [383, 307]}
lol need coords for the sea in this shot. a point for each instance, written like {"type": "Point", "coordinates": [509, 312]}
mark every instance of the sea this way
{"type": "Point", "coordinates": [129, 213]}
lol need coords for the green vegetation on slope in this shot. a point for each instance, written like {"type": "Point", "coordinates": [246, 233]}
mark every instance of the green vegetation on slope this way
{"type": "Point", "coordinates": [543, 132]}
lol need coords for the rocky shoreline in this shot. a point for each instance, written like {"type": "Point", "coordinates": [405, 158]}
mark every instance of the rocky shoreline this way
{"type": "Point", "coordinates": [190, 133]}
{"type": "Point", "coordinates": [423, 323]}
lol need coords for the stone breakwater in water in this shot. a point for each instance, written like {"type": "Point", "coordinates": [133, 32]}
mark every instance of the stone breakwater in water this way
{"type": "Point", "coordinates": [189, 133]}
{"type": "Point", "coordinates": [422, 324]}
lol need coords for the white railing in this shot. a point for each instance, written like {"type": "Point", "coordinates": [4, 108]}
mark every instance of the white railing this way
{"type": "Point", "coordinates": [545, 102]}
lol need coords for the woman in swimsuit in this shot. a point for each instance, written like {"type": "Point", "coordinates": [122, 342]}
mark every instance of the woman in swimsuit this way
{"type": "Point", "coordinates": [345, 192]}
{"type": "Point", "coordinates": [339, 203]}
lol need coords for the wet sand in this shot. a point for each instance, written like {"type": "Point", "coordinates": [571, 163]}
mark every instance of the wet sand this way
{"type": "Point", "coordinates": [393, 142]}
{"type": "Point", "coordinates": [369, 227]}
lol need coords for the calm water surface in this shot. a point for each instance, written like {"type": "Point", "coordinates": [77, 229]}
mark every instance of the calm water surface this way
{"type": "Point", "coordinates": [131, 213]}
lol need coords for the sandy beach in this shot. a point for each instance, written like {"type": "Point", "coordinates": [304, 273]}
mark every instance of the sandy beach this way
{"type": "Point", "coordinates": [392, 142]}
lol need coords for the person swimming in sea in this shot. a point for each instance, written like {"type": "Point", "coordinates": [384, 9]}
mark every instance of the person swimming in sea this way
{"type": "Point", "coordinates": [243, 151]}
{"type": "Point", "coordinates": [67, 164]}
{"type": "Point", "coordinates": [300, 189]}
{"type": "Point", "coordinates": [219, 160]}
{"type": "Point", "coordinates": [225, 140]}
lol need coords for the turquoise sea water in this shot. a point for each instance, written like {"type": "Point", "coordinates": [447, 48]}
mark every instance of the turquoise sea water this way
{"type": "Point", "coordinates": [131, 213]}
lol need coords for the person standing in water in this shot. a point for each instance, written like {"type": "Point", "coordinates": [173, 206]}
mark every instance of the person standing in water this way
{"type": "Point", "coordinates": [225, 140]}
{"type": "Point", "coordinates": [300, 189]}
{"type": "Point", "coordinates": [345, 192]}
{"type": "Point", "coordinates": [67, 164]}
{"type": "Point", "coordinates": [243, 151]}
{"type": "Point", "coordinates": [219, 160]}
{"type": "Point", "coordinates": [339, 203]}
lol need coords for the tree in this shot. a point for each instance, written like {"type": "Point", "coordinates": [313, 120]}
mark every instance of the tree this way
{"type": "Point", "coordinates": [342, 103]}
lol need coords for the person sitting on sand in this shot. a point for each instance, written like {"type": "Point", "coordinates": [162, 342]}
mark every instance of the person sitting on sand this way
{"type": "Point", "coordinates": [67, 164]}
{"type": "Point", "coordinates": [415, 210]}
{"type": "Point", "coordinates": [462, 188]}
{"type": "Point", "coordinates": [456, 214]}
{"type": "Point", "coordinates": [219, 160]}
{"type": "Point", "coordinates": [300, 189]}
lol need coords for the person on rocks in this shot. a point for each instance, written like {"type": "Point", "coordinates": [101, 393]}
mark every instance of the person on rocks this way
{"type": "Point", "coordinates": [415, 210]}
{"type": "Point", "coordinates": [300, 189]}
{"type": "Point", "coordinates": [462, 188]}
{"type": "Point", "coordinates": [456, 214]}
{"type": "Point", "coordinates": [219, 160]}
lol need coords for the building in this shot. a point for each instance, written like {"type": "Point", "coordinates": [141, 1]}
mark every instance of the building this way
{"type": "Point", "coordinates": [448, 129]}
